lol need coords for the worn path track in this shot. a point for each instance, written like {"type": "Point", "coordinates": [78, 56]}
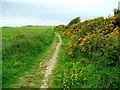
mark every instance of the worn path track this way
{"type": "Point", "coordinates": [51, 63]}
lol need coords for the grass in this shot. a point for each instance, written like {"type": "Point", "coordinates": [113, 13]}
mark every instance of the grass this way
{"type": "Point", "coordinates": [34, 76]}
{"type": "Point", "coordinates": [7, 32]}
{"type": "Point", "coordinates": [22, 52]}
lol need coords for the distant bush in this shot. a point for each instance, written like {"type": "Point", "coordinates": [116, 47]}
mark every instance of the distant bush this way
{"type": "Point", "coordinates": [116, 11]}
{"type": "Point", "coordinates": [117, 15]}
{"type": "Point", "coordinates": [74, 21]}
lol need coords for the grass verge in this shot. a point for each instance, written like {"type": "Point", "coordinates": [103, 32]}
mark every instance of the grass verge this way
{"type": "Point", "coordinates": [22, 51]}
{"type": "Point", "coordinates": [34, 76]}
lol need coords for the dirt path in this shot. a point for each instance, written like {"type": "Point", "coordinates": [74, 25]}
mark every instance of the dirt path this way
{"type": "Point", "coordinates": [51, 63]}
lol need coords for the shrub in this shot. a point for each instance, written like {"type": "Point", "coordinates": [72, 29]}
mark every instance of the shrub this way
{"type": "Point", "coordinates": [74, 21]}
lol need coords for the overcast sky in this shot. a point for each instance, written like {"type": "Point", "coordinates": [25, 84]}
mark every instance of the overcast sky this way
{"type": "Point", "coordinates": [53, 12]}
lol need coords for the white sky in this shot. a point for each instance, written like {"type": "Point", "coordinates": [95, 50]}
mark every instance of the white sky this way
{"type": "Point", "coordinates": [53, 12]}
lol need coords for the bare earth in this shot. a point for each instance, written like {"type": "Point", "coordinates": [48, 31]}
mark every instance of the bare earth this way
{"type": "Point", "coordinates": [51, 63]}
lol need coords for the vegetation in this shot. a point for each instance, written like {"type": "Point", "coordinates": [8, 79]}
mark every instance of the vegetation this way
{"type": "Point", "coordinates": [74, 21]}
{"type": "Point", "coordinates": [89, 57]}
{"type": "Point", "coordinates": [117, 15]}
{"type": "Point", "coordinates": [21, 48]}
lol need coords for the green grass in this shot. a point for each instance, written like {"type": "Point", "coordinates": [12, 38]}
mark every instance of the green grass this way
{"type": "Point", "coordinates": [34, 76]}
{"type": "Point", "coordinates": [7, 32]}
{"type": "Point", "coordinates": [20, 54]}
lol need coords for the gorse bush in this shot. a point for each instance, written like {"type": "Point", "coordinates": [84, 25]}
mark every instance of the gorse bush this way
{"type": "Point", "coordinates": [74, 21]}
{"type": "Point", "coordinates": [117, 15]}
{"type": "Point", "coordinates": [92, 49]}
{"type": "Point", "coordinates": [92, 36]}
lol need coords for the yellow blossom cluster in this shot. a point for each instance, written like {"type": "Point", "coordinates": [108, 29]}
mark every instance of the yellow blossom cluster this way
{"type": "Point", "coordinates": [88, 36]}
{"type": "Point", "coordinates": [20, 35]}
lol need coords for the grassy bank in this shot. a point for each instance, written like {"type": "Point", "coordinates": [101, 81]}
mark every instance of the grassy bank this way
{"type": "Point", "coordinates": [21, 48]}
{"type": "Point", "coordinates": [89, 56]}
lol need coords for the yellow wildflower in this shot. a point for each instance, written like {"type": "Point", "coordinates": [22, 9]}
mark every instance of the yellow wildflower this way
{"type": "Point", "coordinates": [81, 44]}
{"type": "Point", "coordinates": [12, 37]}
{"type": "Point", "coordinates": [90, 20]}
{"type": "Point", "coordinates": [70, 53]}
{"type": "Point", "coordinates": [82, 59]}
{"type": "Point", "coordinates": [80, 39]}
{"type": "Point", "coordinates": [84, 78]}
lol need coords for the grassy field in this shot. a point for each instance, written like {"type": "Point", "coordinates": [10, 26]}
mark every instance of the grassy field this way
{"type": "Point", "coordinates": [7, 32]}
{"type": "Point", "coordinates": [21, 49]}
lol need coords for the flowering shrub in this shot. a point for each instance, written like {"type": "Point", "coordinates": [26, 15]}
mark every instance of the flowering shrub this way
{"type": "Point", "coordinates": [90, 54]}
{"type": "Point", "coordinates": [93, 35]}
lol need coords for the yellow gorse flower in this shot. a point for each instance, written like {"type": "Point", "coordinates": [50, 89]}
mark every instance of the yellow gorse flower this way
{"type": "Point", "coordinates": [81, 44]}
{"type": "Point", "coordinates": [82, 59]}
